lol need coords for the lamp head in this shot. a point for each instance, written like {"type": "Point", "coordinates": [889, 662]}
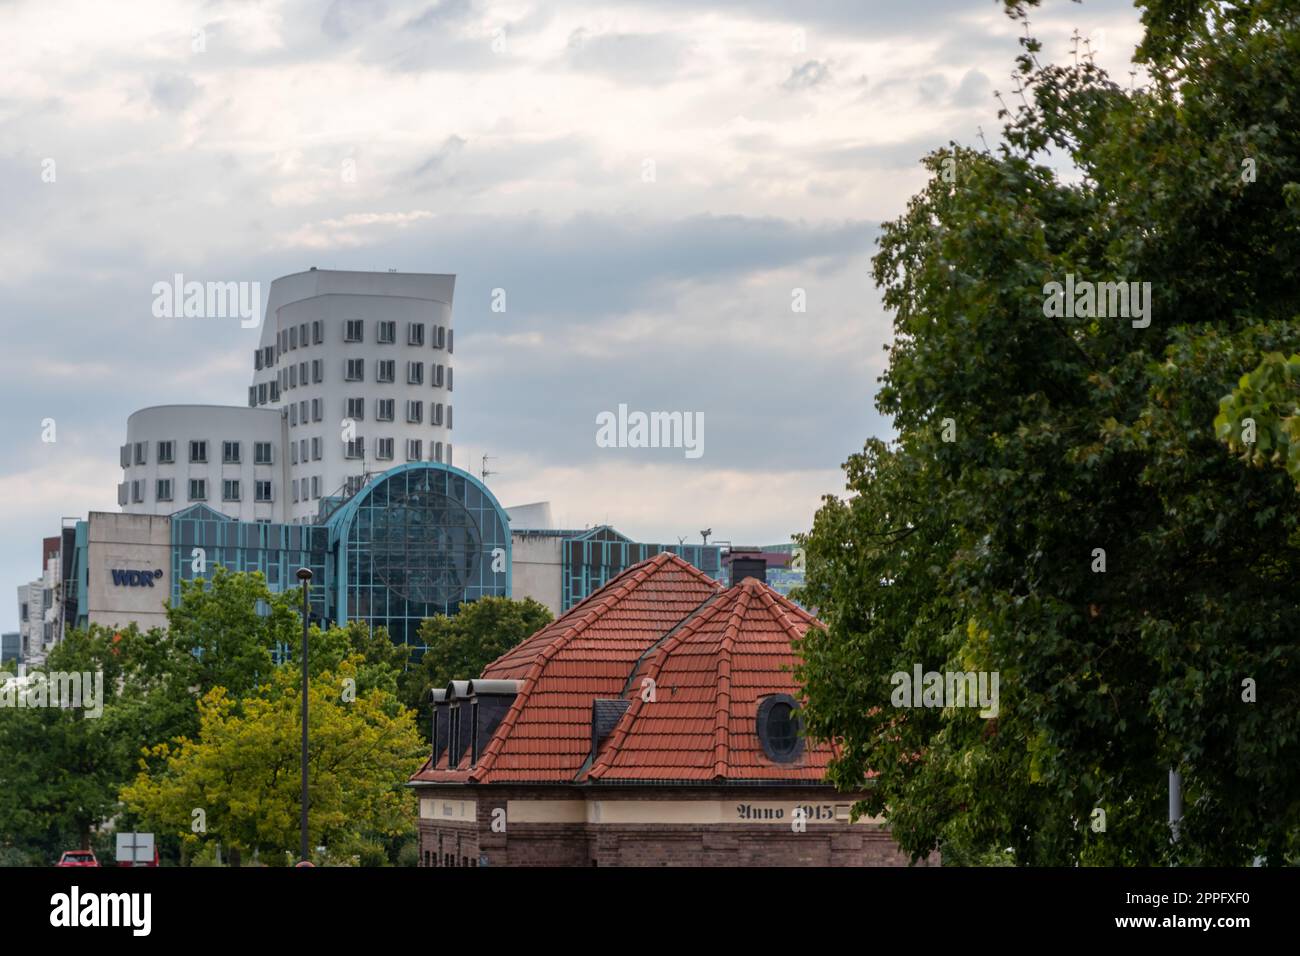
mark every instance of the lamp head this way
{"type": "Point", "coordinates": [304, 574]}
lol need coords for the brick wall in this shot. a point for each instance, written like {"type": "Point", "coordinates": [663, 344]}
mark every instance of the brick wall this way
{"type": "Point", "coordinates": [626, 844]}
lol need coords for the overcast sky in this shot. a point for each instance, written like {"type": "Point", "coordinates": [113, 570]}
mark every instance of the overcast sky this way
{"type": "Point", "coordinates": [648, 182]}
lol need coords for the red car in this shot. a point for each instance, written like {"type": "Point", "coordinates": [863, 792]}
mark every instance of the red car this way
{"type": "Point", "coordinates": [78, 858]}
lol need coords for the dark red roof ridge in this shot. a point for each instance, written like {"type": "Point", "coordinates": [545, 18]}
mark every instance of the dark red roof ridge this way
{"type": "Point", "coordinates": [722, 701]}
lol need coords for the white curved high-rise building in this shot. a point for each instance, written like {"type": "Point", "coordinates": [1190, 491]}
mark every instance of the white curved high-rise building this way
{"type": "Point", "coordinates": [361, 364]}
{"type": "Point", "coordinates": [352, 375]}
{"type": "Point", "coordinates": [223, 456]}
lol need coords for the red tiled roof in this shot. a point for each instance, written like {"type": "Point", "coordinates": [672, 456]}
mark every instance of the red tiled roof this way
{"type": "Point", "coordinates": [713, 655]}
{"type": "Point", "coordinates": [584, 654]}
{"type": "Point", "coordinates": [709, 679]}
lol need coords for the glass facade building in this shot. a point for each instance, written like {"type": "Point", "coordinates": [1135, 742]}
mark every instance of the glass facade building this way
{"type": "Point", "coordinates": [591, 558]}
{"type": "Point", "coordinates": [416, 541]}
{"type": "Point", "coordinates": [412, 542]}
{"type": "Point", "coordinates": [419, 541]}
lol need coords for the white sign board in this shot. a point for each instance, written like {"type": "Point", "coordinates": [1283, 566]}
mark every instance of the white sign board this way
{"type": "Point", "coordinates": [135, 848]}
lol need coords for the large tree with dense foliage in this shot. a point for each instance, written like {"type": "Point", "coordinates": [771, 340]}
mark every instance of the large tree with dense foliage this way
{"type": "Point", "coordinates": [1035, 448]}
{"type": "Point", "coordinates": [237, 780]}
{"type": "Point", "coordinates": [61, 769]}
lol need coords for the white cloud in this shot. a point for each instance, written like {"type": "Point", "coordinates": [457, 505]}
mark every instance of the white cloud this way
{"type": "Point", "coordinates": [507, 143]}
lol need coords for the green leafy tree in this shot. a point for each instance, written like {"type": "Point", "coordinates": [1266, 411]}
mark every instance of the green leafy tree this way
{"type": "Point", "coordinates": [237, 780]}
{"type": "Point", "coordinates": [229, 627]}
{"type": "Point", "coordinates": [1260, 419]}
{"type": "Point", "coordinates": [460, 647]}
{"type": "Point", "coordinates": [61, 767]}
{"type": "Point", "coordinates": [1057, 506]}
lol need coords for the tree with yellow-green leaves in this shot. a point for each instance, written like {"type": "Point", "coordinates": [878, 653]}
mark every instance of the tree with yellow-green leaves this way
{"type": "Point", "coordinates": [237, 781]}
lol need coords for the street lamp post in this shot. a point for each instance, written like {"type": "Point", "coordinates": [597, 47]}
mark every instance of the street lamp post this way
{"type": "Point", "coordinates": [304, 575]}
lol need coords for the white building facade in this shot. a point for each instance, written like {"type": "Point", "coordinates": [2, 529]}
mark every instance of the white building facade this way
{"type": "Point", "coordinates": [229, 458]}
{"type": "Point", "coordinates": [39, 623]}
{"type": "Point", "coordinates": [352, 376]}
{"type": "Point", "coordinates": [360, 363]}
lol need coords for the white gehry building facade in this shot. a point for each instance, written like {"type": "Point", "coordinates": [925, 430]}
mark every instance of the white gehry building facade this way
{"type": "Point", "coordinates": [352, 375]}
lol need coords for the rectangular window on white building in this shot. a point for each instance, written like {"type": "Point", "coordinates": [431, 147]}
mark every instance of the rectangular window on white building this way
{"type": "Point", "coordinates": [166, 453]}
{"type": "Point", "coordinates": [230, 490]}
{"type": "Point", "coordinates": [352, 330]}
{"type": "Point", "coordinates": [262, 491]}
{"type": "Point", "coordinates": [163, 489]}
{"type": "Point", "coordinates": [198, 453]}
{"type": "Point", "coordinates": [198, 489]}
{"type": "Point", "coordinates": [262, 453]}
{"type": "Point", "coordinates": [413, 449]}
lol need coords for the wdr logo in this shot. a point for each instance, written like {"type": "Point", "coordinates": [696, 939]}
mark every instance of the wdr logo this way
{"type": "Point", "coordinates": [135, 579]}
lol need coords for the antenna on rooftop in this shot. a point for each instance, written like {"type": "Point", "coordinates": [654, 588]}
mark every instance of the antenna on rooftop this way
{"type": "Point", "coordinates": [483, 469]}
{"type": "Point", "coordinates": [705, 534]}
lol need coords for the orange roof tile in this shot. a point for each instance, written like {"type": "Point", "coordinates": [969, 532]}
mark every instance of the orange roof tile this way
{"type": "Point", "coordinates": [584, 654]}
{"type": "Point", "coordinates": [709, 680]}
{"type": "Point", "coordinates": [713, 655]}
